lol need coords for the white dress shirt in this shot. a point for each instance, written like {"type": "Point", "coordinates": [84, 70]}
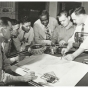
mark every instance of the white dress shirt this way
{"type": "Point", "coordinates": [84, 44]}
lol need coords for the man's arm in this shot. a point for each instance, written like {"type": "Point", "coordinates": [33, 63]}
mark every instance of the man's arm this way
{"type": "Point", "coordinates": [6, 62]}
{"type": "Point", "coordinates": [30, 37]}
{"type": "Point", "coordinates": [70, 42]}
{"type": "Point", "coordinates": [37, 37]}
{"type": "Point", "coordinates": [17, 43]}
{"type": "Point", "coordinates": [55, 35]}
{"type": "Point", "coordinates": [65, 50]}
{"type": "Point", "coordinates": [70, 45]}
{"type": "Point", "coordinates": [78, 52]}
{"type": "Point", "coordinates": [71, 57]}
{"type": "Point", "coordinates": [81, 49]}
{"type": "Point", "coordinates": [11, 79]}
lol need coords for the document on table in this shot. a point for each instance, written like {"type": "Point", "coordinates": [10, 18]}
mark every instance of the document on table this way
{"type": "Point", "coordinates": [68, 72]}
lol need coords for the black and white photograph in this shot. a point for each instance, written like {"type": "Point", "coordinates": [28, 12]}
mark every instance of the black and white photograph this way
{"type": "Point", "coordinates": [44, 43]}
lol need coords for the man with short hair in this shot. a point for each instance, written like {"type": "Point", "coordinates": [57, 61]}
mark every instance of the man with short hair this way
{"type": "Point", "coordinates": [81, 19]}
{"type": "Point", "coordinates": [5, 20]}
{"type": "Point", "coordinates": [26, 33]}
{"type": "Point", "coordinates": [15, 33]}
{"type": "Point", "coordinates": [64, 31]}
{"type": "Point", "coordinates": [5, 34]}
{"type": "Point", "coordinates": [13, 44]}
{"type": "Point", "coordinates": [44, 28]}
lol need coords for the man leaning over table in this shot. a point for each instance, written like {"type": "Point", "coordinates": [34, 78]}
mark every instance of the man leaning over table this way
{"type": "Point", "coordinates": [64, 31]}
{"type": "Point", "coordinates": [15, 26]}
{"type": "Point", "coordinates": [26, 33]}
{"type": "Point", "coordinates": [5, 78]}
{"type": "Point", "coordinates": [81, 19]}
{"type": "Point", "coordinates": [43, 28]}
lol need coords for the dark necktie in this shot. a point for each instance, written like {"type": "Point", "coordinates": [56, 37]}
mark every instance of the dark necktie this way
{"type": "Point", "coordinates": [79, 36]}
{"type": "Point", "coordinates": [48, 37]}
{"type": "Point", "coordinates": [82, 33]}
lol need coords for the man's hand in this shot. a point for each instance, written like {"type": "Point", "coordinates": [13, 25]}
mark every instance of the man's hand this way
{"type": "Point", "coordinates": [12, 60]}
{"type": "Point", "coordinates": [29, 76]}
{"type": "Point", "coordinates": [22, 48]}
{"type": "Point", "coordinates": [62, 42]}
{"type": "Point", "coordinates": [69, 57]}
{"type": "Point", "coordinates": [64, 51]}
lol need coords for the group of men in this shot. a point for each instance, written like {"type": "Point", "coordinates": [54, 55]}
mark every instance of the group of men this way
{"type": "Point", "coordinates": [47, 31]}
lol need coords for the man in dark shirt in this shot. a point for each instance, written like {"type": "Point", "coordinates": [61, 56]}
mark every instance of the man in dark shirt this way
{"type": "Point", "coordinates": [5, 34]}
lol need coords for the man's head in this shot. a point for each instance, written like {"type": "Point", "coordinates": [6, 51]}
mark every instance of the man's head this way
{"type": "Point", "coordinates": [26, 23]}
{"type": "Point", "coordinates": [77, 15]}
{"type": "Point", "coordinates": [64, 18]}
{"type": "Point", "coordinates": [5, 27]}
{"type": "Point", "coordinates": [44, 17]}
{"type": "Point", "coordinates": [15, 27]}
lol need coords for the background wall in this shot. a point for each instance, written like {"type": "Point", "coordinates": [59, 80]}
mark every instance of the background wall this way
{"type": "Point", "coordinates": [53, 9]}
{"type": "Point", "coordinates": [17, 9]}
{"type": "Point", "coordinates": [85, 5]}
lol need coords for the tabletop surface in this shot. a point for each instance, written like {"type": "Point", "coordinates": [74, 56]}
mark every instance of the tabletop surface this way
{"type": "Point", "coordinates": [83, 81]}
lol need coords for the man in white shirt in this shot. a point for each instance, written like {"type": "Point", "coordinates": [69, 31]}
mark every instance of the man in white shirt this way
{"type": "Point", "coordinates": [43, 28]}
{"type": "Point", "coordinates": [81, 19]}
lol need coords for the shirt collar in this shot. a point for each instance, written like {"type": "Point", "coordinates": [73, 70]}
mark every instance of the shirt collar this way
{"type": "Point", "coordinates": [69, 25]}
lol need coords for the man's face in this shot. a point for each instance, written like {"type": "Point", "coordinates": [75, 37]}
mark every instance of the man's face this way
{"type": "Point", "coordinates": [76, 18]}
{"type": "Point", "coordinates": [15, 30]}
{"type": "Point", "coordinates": [44, 20]}
{"type": "Point", "coordinates": [6, 31]}
{"type": "Point", "coordinates": [26, 26]}
{"type": "Point", "coordinates": [64, 20]}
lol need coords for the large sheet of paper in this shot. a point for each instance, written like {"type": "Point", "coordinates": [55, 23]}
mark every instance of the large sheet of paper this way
{"type": "Point", "coordinates": [68, 72]}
